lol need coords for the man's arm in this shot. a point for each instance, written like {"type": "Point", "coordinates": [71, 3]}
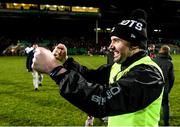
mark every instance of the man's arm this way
{"type": "Point", "coordinates": [99, 75]}
{"type": "Point", "coordinates": [134, 91]}
{"type": "Point", "coordinates": [60, 52]}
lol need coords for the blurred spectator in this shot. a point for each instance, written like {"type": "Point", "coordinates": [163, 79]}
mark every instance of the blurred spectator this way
{"type": "Point", "coordinates": [151, 50]}
{"type": "Point", "coordinates": [163, 59]}
{"type": "Point", "coordinates": [37, 77]}
{"type": "Point", "coordinates": [89, 121]}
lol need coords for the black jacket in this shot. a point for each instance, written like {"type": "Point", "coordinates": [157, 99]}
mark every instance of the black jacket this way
{"type": "Point", "coordinates": [166, 65]}
{"type": "Point", "coordinates": [90, 91]}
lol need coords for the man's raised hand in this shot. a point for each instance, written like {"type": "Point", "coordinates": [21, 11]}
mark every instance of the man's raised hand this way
{"type": "Point", "coordinates": [44, 61]}
{"type": "Point", "coordinates": [60, 52]}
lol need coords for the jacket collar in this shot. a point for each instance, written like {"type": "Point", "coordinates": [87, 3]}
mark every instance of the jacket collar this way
{"type": "Point", "coordinates": [133, 58]}
{"type": "Point", "coordinates": [164, 56]}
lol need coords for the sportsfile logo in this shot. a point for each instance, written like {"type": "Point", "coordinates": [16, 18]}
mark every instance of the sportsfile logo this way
{"type": "Point", "coordinates": [132, 23]}
{"type": "Point", "coordinates": [110, 93]}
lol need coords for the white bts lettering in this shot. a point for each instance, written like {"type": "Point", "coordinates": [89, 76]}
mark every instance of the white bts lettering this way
{"type": "Point", "coordinates": [139, 26]}
{"type": "Point", "coordinates": [125, 22]}
{"type": "Point", "coordinates": [132, 23]}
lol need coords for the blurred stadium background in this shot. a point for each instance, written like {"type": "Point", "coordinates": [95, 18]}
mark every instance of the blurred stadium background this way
{"type": "Point", "coordinates": [83, 26]}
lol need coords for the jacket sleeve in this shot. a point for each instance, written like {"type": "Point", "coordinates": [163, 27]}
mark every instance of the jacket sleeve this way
{"type": "Point", "coordinates": [134, 91]}
{"type": "Point", "coordinates": [100, 75]}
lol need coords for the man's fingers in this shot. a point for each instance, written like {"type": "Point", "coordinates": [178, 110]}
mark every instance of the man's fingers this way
{"type": "Point", "coordinates": [60, 52]}
{"type": "Point", "coordinates": [56, 51]}
{"type": "Point", "coordinates": [56, 55]}
{"type": "Point", "coordinates": [60, 46]}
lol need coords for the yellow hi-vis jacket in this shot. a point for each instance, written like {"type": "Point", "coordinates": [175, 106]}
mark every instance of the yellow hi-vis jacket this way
{"type": "Point", "coordinates": [148, 116]}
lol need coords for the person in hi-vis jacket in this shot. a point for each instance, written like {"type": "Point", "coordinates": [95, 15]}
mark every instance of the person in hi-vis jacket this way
{"type": "Point", "coordinates": [129, 91]}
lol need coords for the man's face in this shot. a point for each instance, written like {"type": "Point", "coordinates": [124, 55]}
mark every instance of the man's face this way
{"type": "Point", "coordinates": [120, 49]}
{"type": "Point", "coordinates": [152, 47]}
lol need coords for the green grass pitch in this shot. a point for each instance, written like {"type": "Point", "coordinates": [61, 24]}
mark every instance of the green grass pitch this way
{"type": "Point", "coordinates": [20, 105]}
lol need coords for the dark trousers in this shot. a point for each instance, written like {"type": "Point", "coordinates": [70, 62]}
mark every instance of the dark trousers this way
{"type": "Point", "coordinates": [165, 106]}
